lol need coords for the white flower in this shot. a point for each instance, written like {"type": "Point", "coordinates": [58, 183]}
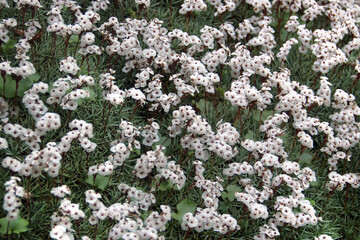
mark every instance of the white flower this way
{"type": "Point", "coordinates": [324, 237]}
{"type": "Point", "coordinates": [61, 191]}
{"type": "Point", "coordinates": [58, 232]}
{"type": "Point", "coordinates": [136, 94]}
{"type": "Point", "coordinates": [145, 3]}
{"type": "Point", "coordinates": [305, 139]}
{"type": "Point", "coordinates": [3, 143]}
{"type": "Point", "coordinates": [68, 65]}
{"type": "Point", "coordinates": [88, 38]}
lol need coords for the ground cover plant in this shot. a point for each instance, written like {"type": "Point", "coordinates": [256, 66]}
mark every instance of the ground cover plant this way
{"type": "Point", "coordinates": [214, 119]}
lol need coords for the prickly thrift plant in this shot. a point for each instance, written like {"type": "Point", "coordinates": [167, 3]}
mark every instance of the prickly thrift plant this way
{"type": "Point", "coordinates": [179, 119]}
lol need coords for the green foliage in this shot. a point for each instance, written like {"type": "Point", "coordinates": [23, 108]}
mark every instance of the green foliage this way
{"type": "Point", "coordinates": [8, 46]}
{"type": "Point", "coordinates": [185, 206]}
{"type": "Point", "coordinates": [9, 88]}
{"type": "Point", "coordinates": [17, 226]}
{"type": "Point", "coordinates": [305, 158]}
{"type": "Point", "coordinates": [250, 135]}
{"type": "Point", "coordinates": [262, 115]}
{"type": "Point", "coordinates": [74, 38]}
{"type": "Point", "coordinates": [101, 182]}
{"type": "Point", "coordinates": [23, 85]}
{"type": "Point", "coordinates": [231, 190]}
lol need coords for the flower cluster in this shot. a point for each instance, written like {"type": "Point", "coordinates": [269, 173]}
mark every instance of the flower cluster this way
{"type": "Point", "coordinates": [70, 209]}
{"type": "Point", "coordinates": [126, 227]}
{"type": "Point", "coordinates": [61, 191]}
{"type": "Point", "coordinates": [86, 45]}
{"type": "Point", "coordinates": [4, 25]}
{"type": "Point", "coordinates": [12, 197]}
{"type": "Point", "coordinates": [192, 5]}
{"type": "Point", "coordinates": [150, 134]}
{"type": "Point", "coordinates": [148, 161]}
{"type": "Point", "coordinates": [139, 199]}
{"type": "Point", "coordinates": [61, 94]}
{"type": "Point", "coordinates": [61, 227]}
{"type": "Point", "coordinates": [111, 92]}
{"type": "Point", "coordinates": [68, 65]}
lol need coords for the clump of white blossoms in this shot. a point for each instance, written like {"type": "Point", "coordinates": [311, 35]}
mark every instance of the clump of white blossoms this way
{"type": "Point", "coordinates": [208, 217]}
{"type": "Point", "coordinates": [192, 5]}
{"type": "Point", "coordinates": [32, 101]}
{"type": "Point", "coordinates": [61, 94]}
{"type": "Point", "coordinates": [139, 199]}
{"type": "Point", "coordinates": [200, 136]}
{"type": "Point", "coordinates": [126, 226]}
{"type": "Point", "coordinates": [129, 133]}
{"type": "Point", "coordinates": [61, 226]}
{"type": "Point", "coordinates": [12, 197]}
{"type": "Point", "coordinates": [61, 191]}
{"type": "Point", "coordinates": [111, 91]}
{"type": "Point", "coordinates": [86, 45]}
{"type": "Point", "coordinates": [70, 209]}
{"type": "Point", "coordinates": [69, 65]}
{"type": "Point", "coordinates": [120, 152]}
{"type": "Point", "coordinates": [149, 160]}
{"type": "Point", "coordinates": [3, 143]}
{"type": "Point", "coordinates": [48, 122]}
{"type": "Point", "coordinates": [98, 5]}
{"type": "Point", "coordinates": [158, 220]}
{"type": "Point", "coordinates": [85, 131]}
{"type": "Point", "coordinates": [150, 134]}
{"type": "Point", "coordinates": [324, 237]}
{"type": "Point", "coordinates": [220, 7]}
{"type": "Point", "coordinates": [5, 24]}
{"type": "Point", "coordinates": [144, 3]}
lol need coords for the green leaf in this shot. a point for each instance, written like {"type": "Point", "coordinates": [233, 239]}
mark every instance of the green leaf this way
{"type": "Point", "coordinates": [100, 181]}
{"type": "Point", "coordinates": [136, 151]}
{"type": "Point", "coordinates": [284, 137]}
{"type": "Point", "coordinates": [314, 184]}
{"type": "Point", "coordinates": [162, 139]}
{"type": "Point", "coordinates": [34, 77]}
{"type": "Point", "coordinates": [225, 72]}
{"type": "Point", "coordinates": [18, 226]}
{"type": "Point", "coordinates": [264, 115]}
{"type": "Point", "coordinates": [250, 135]}
{"type": "Point", "coordinates": [221, 92]}
{"type": "Point", "coordinates": [202, 105]}
{"type": "Point", "coordinates": [183, 207]}
{"type": "Point", "coordinates": [74, 38]}
{"type": "Point", "coordinates": [8, 46]}
{"type": "Point", "coordinates": [132, 13]}
{"type": "Point", "coordinates": [231, 189]}
{"type": "Point", "coordinates": [223, 207]}
{"type": "Point", "coordinates": [145, 215]}
{"type": "Point", "coordinates": [296, 210]}
{"type": "Point", "coordinates": [81, 100]}
{"type": "Point", "coordinates": [305, 158]}
{"type": "Point", "coordinates": [283, 34]}
{"type": "Point", "coordinates": [83, 71]}
{"type": "Point", "coordinates": [10, 87]}
{"type": "Point", "coordinates": [164, 185]}
{"type": "Point", "coordinates": [24, 85]}
{"type": "Point", "coordinates": [92, 93]}
{"type": "Point", "coordinates": [312, 202]}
